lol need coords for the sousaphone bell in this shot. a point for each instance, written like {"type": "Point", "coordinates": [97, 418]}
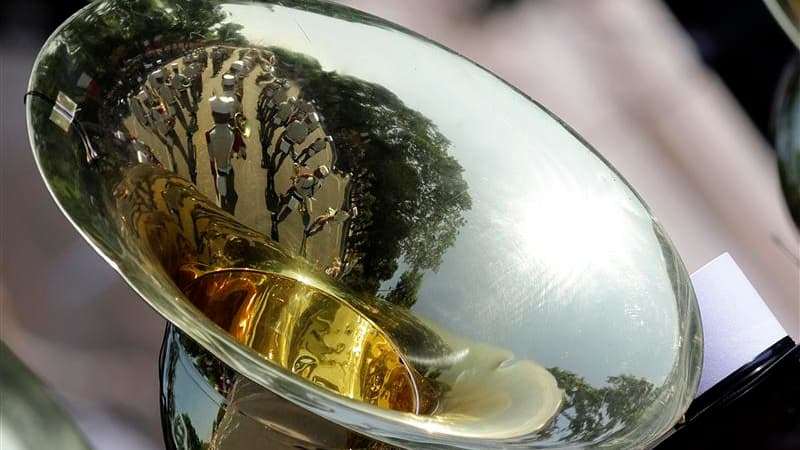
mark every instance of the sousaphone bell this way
{"type": "Point", "coordinates": [407, 252]}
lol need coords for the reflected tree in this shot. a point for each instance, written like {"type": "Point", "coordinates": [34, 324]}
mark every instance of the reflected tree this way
{"type": "Point", "coordinates": [410, 192]}
{"type": "Point", "coordinates": [405, 292]}
{"type": "Point", "coordinates": [590, 413]}
{"type": "Point", "coordinates": [230, 34]}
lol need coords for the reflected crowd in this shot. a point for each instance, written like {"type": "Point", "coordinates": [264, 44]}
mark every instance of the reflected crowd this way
{"type": "Point", "coordinates": [199, 111]}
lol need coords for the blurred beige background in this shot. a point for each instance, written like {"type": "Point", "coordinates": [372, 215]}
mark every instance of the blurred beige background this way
{"type": "Point", "coordinates": [621, 72]}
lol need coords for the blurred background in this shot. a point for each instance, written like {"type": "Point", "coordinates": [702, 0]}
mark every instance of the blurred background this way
{"type": "Point", "coordinates": [677, 95]}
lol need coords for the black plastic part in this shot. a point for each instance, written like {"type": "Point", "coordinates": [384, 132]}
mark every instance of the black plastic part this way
{"type": "Point", "coordinates": [756, 407]}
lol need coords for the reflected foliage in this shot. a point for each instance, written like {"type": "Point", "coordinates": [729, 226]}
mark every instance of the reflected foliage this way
{"type": "Point", "coordinates": [230, 34]}
{"type": "Point", "coordinates": [592, 413]}
{"type": "Point", "coordinates": [411, 191]}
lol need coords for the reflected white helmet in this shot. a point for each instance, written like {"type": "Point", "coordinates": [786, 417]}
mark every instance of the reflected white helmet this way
{"type": "Point", "coordinates": [221, 105]}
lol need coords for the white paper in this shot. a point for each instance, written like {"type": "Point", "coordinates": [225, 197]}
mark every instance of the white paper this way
{"type": "Point", "coordinates": [737, 325]}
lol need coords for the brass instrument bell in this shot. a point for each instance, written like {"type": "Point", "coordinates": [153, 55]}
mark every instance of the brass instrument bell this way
{"type": "Point", "coordinates": [414, 254]}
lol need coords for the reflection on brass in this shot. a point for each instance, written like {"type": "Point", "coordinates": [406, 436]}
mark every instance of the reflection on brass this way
{"type": "Point", "coordinates": [360, 239]}
{"type": "Point", "coordinates": [787, 137]}
{"type": "Point", "coordinates": [787, 13]}
{"type": "Point", "coordinates": [315, 335]}
{"type": "Point", "coordinates": [31, 419]}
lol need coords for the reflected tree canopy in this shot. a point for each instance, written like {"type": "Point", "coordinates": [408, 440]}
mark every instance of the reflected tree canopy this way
{"type": "Point", "coordinates": [590, 413]}
{"type": "Point", "coordinates": [410, 189]}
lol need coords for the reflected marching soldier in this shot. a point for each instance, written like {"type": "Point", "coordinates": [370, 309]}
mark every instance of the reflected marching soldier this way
{"type": "Point", "coordinates": [294, 134]}
{"type": "Point", "coordinates": [308, 114]}
{"type": "Point", "coordinates": [265, 99]}
{"type": "Point", "coordinates": [224, 141]}
{"type": "Point", "coordinates": [315, 148]}
{"type": "Point", "coordinates": [181, 84]}
{"type": "Point", "coordinates": [304, 187]}
{"type": "Point", "coordinates": [229, 90]}
{"type": "Point", "coordinates": [331, 216]}
{"type": "Point", "coordinates": [165, 130]}
{"type": "Point", "coordinates": [202, 58]}
{"type": "Point", "coordinates": [152, 78]}
{"type": "Point", "coordinates": [142, 151]}
{"type": "Point", "coordinates": [237, 69]}
{"type": "Point", "coordinates": [279, 95]}
{"type": "Point", "coordinates": [249, 65]}
{"type": "Point", "coordinates": [137, 103]}
{"type": "Point", "coordinates": [335, 269]}
{"type": "Point", "coordinates": [217, 58]}
{"type": "Point", "coordinates": [279, 117]}
{"type": "Point", "coordinates": [168, 97]}
{"type": "Point", "coordinates": [193, 71]}
{"type": "Point", "coordinates": [267, 69]}
{"type": "Point", "coordinates": [268, 57]}
{"type": "Point", "coordinates": [280, 114]}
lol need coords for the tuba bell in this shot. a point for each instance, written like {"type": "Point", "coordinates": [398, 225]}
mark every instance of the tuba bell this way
{"type": "Point", "coordinates": [422, 257]}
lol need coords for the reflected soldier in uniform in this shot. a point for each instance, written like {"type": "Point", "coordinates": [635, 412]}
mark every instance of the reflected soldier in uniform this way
{"type": "Point", "coordinates": [196, 80]}
{"type": "Point", "coordinates": [308, 113]}
{"type": "Point", "coordinates": [152, 79]}
{"type": "Point", "coordinates": [168, 97]}
{"type": "Point", "coordinates": [202, 58]}
{"type": "Point", "coordinates": [217, 58]}
{"type": "Point", "coordinates": [138, 109]}
{"type": "Point", "coordinates": [280, 95]}
{"type": "Point", "coordinates": [142, 151]}
{"type": "Point", "coordinates": [193, 71]}
{"type": "Point", "coordinates": [224, 141]}
{"type": "Point", "coordinates": [294, 134]}
{"type": "Point", "coordinates": [267, 69]}
{"type": "Point", "coordinates": [304, 186]}
{"type": "Point", "coordinates": [249, 65]}
{"type": "Point", "coordinates": [229, 90]}
{"type": "Point", "coordinates": [180, 84]}
{"type": "Point", "coordinates": [335, 269]}
{"type": "Point", "coordinates": [268, 57]}
{"type": "Point", "coordinates": [265, 98]}
{"type": "Point", "coordinates": [280, 114]}
{"type": "Point", "coordinates": [165, 130]}
{"type": "Point", "coordinates": [279, 117]}
{"type": "Point", "coordinates": [238, 71]}
{"type": "Point", "coordinates": [332, 215]}
{"type": "Point", "coordinates": [316, 147]}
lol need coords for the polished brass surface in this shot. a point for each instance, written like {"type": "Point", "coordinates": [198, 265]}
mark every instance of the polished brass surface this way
{"type": "Point", "coordinates": [30, 418]}
{"type": "Point", "coordinates": [350, 224]}
{"type": "Point", "coordinates": [786, 116]}
{"type": "Point", "coordinates": [207, 403]}
{"type": "Point", "coordinates": [787, 136]}
{"type": "Point", "coordinates": [787, 13]}
{"type": "Point", "coordinates": [315, 335]}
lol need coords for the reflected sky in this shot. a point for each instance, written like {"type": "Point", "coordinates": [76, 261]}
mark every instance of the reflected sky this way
{"type": "Point", "coordinates": [568, 256]}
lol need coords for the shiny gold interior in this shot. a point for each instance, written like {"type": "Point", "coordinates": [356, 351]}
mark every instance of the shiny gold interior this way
{"type": "Point", "coordinates": [300, 328]}
{"type": "Point", "coordinates": [314, 335]}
